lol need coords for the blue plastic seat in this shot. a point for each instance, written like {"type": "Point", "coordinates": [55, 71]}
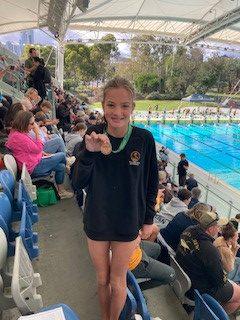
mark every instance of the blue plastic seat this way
{"type": "Point", "coordinates": [202, 311]}
{"type": "Point", "coordinates": [29, 238]}
{"type": "Point", "coordinates": [130, 307]}
{"type": "Point", "coordinates": [137, 293]}
{"type": "Point", "coordinates": [8, 183]}
{"type": "Point", "coordinates": [215, 307]}
{"type": "Point", "coordinates": [23, 196]}
{"type": "Point", "coordinates": [68, 312]}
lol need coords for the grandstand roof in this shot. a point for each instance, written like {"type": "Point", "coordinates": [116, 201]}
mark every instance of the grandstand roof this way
{"type": "Point", "coordinates": [185, 20]}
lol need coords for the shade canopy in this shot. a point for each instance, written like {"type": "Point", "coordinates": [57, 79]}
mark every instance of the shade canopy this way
{"type": "Point", "coordinates": [185, 21]}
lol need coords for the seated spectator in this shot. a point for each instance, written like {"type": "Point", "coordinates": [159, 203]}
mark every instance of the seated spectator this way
{"type": "Point", "coordinates": [52, 142]}
{"type": "Point", "coordinates": [176, 205]}
{"type": "Point", "coordinates": [201, 260]}
{"type": "Point", "coordinates": [163, 155]}
{"type": "Point", "coordinates": [191, 182]}
{"type": "Point", "coordinates": [3, 112]}
{"type": "Point", "coordinates": [166, 187]}
{"type": "Point", "coordinates": [172, 232]}
{"type": "Point", "coordinates": [235, 221]}
{"type": "Point", "coordinates": [196, 194]}
{"type": "Point", "coordinates": [75, 137]}
{"type": "Point", "coordinates": [11, 114]}
{"type": "Point", "coordinates": [144, 264]}
{"type": "Point", "coordinates": [46, 108]}
{"type": "Point", "coordinates": [92, 120]}
{"type": "Point", "coordinates": [29, 150]}
{"type": "Point", "coordinates": [30, 100]}
{"type": "Point", "coordinates": [228, 246]}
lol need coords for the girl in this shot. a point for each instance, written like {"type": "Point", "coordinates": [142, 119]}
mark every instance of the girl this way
{"type": "Point", "coordinates": [118, 166]}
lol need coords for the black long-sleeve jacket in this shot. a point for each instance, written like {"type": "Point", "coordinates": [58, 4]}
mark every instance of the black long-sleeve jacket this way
{"type": "Point", "coordinates": [121, 187]}
{"type": "Point", "coordinates": [201, 260]}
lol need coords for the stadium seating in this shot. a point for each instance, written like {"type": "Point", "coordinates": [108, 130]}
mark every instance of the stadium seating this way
{"type": "Point", "coordinates": [182, 282]}
{"type": "Point", "coordinates": [137, 294]}
{"type": "Point", "coordinates": [130, 307]}
{"type": "Point", "coordinates": [215, 307]}
{"type": "Point", "coordinates": [10, 164]}
{"type": "Point", "coordinates": [23, 196]}
{"type": "Point", "coordinates": [202, 310]}
{"type": "Point", "coordinates": [25, 281]}
{"type": "Point", "coordinates": [26, 179]}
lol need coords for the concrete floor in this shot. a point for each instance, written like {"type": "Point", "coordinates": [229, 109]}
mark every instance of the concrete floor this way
{"type": "Point", "coordinates": [67, 273]}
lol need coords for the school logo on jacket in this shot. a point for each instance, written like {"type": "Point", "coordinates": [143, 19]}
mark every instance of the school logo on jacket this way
{"type": "Point", "coordinates": [135, 157]}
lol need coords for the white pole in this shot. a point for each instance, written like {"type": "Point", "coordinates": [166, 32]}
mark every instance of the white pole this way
{"type": "Point", "coordinates": [60, 63]}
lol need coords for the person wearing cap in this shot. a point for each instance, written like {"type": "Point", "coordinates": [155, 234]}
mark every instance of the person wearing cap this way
{"type": "Point", "coordinates": [182, 170]}
{"type": "Point", "coordinates": [202, 262]}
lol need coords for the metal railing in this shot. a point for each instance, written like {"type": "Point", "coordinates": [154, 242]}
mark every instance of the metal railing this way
{"type": "Point", "coordinates": [209, 194]}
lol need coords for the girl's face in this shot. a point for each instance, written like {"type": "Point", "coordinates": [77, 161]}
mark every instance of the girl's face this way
{"type": "Point", "coordinates": [118, 106]}
{"type": "Point", "coordinates": [235, 237]}
{"type": "Point", "coordinates": [31, 124]}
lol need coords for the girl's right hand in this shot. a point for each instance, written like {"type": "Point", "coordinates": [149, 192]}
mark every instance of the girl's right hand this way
{"type": "Point", "coordinates": [94, 141]}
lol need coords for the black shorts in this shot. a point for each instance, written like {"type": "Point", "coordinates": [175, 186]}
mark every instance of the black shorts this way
{"type": "Point", "coordinates": [224, 294]}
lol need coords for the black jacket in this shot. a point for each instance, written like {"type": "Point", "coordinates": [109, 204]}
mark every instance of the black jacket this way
{"type": "Point", "coordinates": [121, 187]}
{"type": "Point", "coordinates": [201, 260]}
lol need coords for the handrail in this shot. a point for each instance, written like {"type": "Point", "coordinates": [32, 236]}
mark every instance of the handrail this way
{"type": "Point", "coordinates": [207, 189]}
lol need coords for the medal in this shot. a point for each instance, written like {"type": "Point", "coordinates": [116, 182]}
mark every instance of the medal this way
{"type": "Point", "coordinates": [106, 149]}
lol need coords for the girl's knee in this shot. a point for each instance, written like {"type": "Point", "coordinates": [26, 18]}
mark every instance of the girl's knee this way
{"type": "Point", "coordinates": [103, 279]}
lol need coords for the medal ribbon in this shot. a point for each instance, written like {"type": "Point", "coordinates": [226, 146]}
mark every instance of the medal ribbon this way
{"type": "Point", "coordinates": [124, 140]}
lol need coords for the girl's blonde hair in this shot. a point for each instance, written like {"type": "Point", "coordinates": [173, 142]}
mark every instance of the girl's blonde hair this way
{"type": "Point", "coordinates": [116, 83]}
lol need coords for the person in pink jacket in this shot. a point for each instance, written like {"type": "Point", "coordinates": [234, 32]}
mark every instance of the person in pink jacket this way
{"type": "Point", "coordinates": [29, 150]}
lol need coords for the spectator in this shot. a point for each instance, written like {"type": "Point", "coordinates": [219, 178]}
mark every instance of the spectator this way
{"type": "Point", "coordinates": [92, 120]}
{"type": "Point", "coordinates": [166, 187]}
{"type": "Point", "coordinates": [75, 137]}
{"type": "Point", "coordinates": [228, 246]}
{"type": "Point", "coordinates": [46, 108]}
{"type": "Point", "coordinates": [63, 114]}
{"type": "Point", "coordinates": [144, 264]}
{"type": "Point", "coordinates": [235, 221]}
{"type": "Point", "coordinates": [30, 151]}
{"type": "Point", "coordinates": [3, 112]}
{"type": "Point", "coordinates": [196, 194]}
{"type": "Point", "coordinates": [38, 77]}
{"type": "Point", "coordinates": [201, 260]}
{"type": "Point", "coordinates": [163, 154]}
{"type": "Point", "coordinates": [191, 182]}
{"type": "Point", "coordinates": [11, 114]}
{"type": "Point", "coordinates": [176, 205]}
{"type": "Point", "coordinates": [52, 143]}
{"type": "Point", "coordinates": [30, 67]}
{"type": "Point", "coordinates": [172, 232]}
{"type": "Point", "coordinates": [182, 170]}
{"type": "Point", "coordinates": [31, 99]}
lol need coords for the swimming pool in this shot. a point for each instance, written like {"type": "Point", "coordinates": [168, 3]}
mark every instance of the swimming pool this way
{"type": "Point", "coordinates": [215, 148]}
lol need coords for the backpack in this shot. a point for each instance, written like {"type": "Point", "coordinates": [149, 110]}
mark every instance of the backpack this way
{"type": "Point", "coordinates": [47, 75]}
{"type": "Point", "coordinates": [47, 193]}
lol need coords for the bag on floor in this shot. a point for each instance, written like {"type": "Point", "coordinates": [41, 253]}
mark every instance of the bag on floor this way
{"type": "Point", "coordinates": [47, 193]}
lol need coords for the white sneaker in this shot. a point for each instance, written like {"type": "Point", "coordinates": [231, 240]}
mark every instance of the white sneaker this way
{"type": "Point", "coordinates": [66, 194]}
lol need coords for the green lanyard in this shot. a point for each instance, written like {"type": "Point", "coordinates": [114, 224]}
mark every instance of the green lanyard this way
{"type": "Point", "coordinates": [124, 140]}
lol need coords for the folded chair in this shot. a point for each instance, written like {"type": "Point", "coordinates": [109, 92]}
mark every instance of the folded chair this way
{"type": "Point", "coordinates": [27, 181]}
{"type": "Point", "coordinates": [25, 282]}
{"type": "Point", "coordinates": [182, 282]}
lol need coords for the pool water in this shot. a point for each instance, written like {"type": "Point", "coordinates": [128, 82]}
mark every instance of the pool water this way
{"type": "Point", "coordinates": [213, 147]}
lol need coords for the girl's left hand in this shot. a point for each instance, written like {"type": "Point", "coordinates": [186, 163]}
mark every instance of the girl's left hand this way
{"type": "Point", "coordinates": [146, 231]}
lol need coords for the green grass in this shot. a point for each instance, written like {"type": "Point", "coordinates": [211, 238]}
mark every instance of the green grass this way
{"type": "Point", "coordinates": [143, 105]}
{"type": "Point", "coordinates": [237, 96]}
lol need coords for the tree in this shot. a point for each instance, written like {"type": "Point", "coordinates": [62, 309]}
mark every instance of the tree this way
{"type": "Point", "coordinates": [147, 83]}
